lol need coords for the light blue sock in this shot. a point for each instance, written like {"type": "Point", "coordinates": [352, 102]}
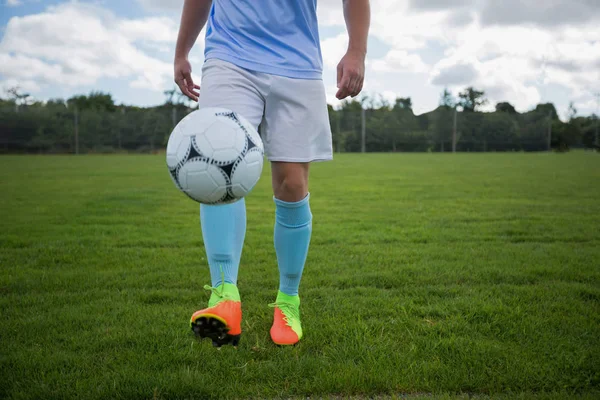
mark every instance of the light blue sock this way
{"type": "Point", "coordinates": [293, 226]}
{"type": "Point", "coordinates": [223, 232]}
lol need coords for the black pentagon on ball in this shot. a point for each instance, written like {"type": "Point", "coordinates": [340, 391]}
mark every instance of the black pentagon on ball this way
{"type": "Point", "coordinates": [193, 151]}
{"type": "Point", "coordinates": [251, 144]}
{"type": "Point", "coordinates": [228, 170]}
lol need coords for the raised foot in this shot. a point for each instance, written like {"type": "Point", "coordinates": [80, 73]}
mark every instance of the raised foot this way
{"type": "Point", "coordinates": [214, 329]}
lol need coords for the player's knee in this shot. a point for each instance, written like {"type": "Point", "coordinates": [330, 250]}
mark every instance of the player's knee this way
{"type": "Point", "coordinates": [291, 188]}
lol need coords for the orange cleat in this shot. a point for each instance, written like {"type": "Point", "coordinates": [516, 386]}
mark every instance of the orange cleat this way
{"type": "Point", "coordinates": [222, 320]}
{"type": "Point", "coordinates": [286, 329]}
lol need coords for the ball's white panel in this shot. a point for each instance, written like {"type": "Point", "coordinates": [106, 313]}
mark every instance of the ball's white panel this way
{"type": "Point", "coordinates": [176, 145]}
{"type": "Point", "coordinates": [203, 145]}
{"type": "Point", "coordinates": [197, 121]}
{"type": "Point", "coordinates": [202, 182]}
{"type": "Point", "coordinates": [235, 120]}
{"type": "Point", "coordinates": [247, 173]}
{"type": "Point", "coordinates": [226, 140]}
{"type": "Point", "coordinates": [239, 191]}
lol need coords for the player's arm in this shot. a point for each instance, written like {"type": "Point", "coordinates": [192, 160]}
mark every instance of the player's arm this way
{"type": "Point", "coordinates": [351, 69]}
{"type": "Point", "coordinates": [193, 19]}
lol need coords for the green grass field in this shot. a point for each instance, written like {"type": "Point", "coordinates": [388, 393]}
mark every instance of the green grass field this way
{"type": "Point", "coordinates": [445, 275]}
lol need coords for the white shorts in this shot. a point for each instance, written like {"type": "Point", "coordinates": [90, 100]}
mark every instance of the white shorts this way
{"type": "Point", "coordinates": [292, 113]}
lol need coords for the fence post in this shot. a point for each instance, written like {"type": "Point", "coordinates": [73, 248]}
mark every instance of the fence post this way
{"type": "Point", "coordinates": [454, 130]}
{"type": "Point", "coordinates": [363, 130]}
{"type": "Point", "coordinates": [550, 131]}
{"type": "Point", "coordinates": [76, 130]}
{"type": "Point", "coordinates": [596, 139]}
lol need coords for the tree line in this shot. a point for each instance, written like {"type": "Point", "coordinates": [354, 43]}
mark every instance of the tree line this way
{"type": "Point", "coordinates": [95, 124]}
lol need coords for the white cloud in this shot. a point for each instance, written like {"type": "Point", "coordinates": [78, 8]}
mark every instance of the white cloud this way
{"type": "Point", "coordinates": [24, 85]}
{"type": "Point", "coordinates": [400, 60]}
{"type": "Point", "coordinates": [333, 50]}
{"type": "Point", "coordinates": [77, 44]}
{"type": "Point", "coordinates": [512, 63]}
{"type": "Point", "coordinates": [162, 5]}
{"type": "Point", "coordinates": [512, 60]}
{"type": "Point", "coordinates": [155, 29]}
{"type": "Point", "coordinates": [514, 56]}
{"type": "Point", "coordinates": [13, 3]}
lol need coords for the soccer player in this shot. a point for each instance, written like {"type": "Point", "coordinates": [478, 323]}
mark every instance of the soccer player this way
{"type": "Point", "coordinates": [263, 61]}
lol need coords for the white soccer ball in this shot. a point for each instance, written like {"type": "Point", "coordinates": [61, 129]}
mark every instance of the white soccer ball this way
{"type": "Point", "coordinates": [215, 156]}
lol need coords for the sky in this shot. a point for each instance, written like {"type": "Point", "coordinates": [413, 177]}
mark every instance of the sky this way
{"type": "Point", "coordinates": [521, 51]}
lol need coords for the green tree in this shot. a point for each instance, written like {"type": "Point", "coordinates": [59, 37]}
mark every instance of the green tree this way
{"type": "Point", "coordinates": [501, 131]}
{"type": "Point", "coordinates": [405, 125]}
{"type": "Point", "coordinates": [505, 107]}
{"type": "Point", "coordinates": [447, 100]}
{"type": "Point", "coordinates": [98, 101]}
{"type": "Point", "coordinates": [442, 126]}
{"type": "Point", "coordinates": [566, 135]}
{"type": "Point", "coordinates": [471, 99]}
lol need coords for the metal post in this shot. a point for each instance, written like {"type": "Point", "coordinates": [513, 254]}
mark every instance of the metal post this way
{"type": "Point", "coordinates": [363, 130]}
{"type": "Point", "coordinates": [120, 127]}
{"type": "Point", "coordinates": [76, 130]}
{"type": "Point", "coordinates": [550, 131]}
{"type": "Point", "coordinates": [597, 140]}
{"type": "Point", "coordinates": [337, 127]}
{"type": "Point", "coordinates": [454, 130]}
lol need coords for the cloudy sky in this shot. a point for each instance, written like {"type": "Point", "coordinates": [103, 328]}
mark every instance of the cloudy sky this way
{"type": "Point", "coordinates": [521, 51]}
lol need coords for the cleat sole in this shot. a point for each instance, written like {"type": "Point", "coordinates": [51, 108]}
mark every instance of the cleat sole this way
{"type": "Point", "coordinates": [216, 330]}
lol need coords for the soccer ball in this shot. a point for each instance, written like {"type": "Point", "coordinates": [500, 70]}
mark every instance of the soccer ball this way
{"type": "Point", "coordinates": [215, 156]}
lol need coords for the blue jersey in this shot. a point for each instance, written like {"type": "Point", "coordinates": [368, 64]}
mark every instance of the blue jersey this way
{"type": "Point", "coordinates": [278, 37]}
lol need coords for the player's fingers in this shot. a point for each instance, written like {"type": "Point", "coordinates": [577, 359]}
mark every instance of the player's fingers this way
{"type": "Point", "coordinates": [358, 85]}
{"type": "Point", "coordinates": [191, 94]}
{"type": "Point", "coordinates": [188, 79]}
{"type": "Point", "coordinates": [341, 94]}
{"type": "Point", "coordinates": [340, 73]}
{"type": "Point", "coordinates": [352, 87]}
{"type": "Point", "coordinates": [358, 82]}
{"type": "Point", "coordinates": [186, 84]}
{"type": "Point", "coordinates": [358, 90]}
{"type": "Point", "coordinates": [195, 91]}
{"type": "Point", "coordinates": [343, 87]}
{"type": "Point", "coordinates": [180, 84]}
{"type": "Point", "coordinates": [184, 89]}
{"type": "Point", "coordinates": [187, 76]}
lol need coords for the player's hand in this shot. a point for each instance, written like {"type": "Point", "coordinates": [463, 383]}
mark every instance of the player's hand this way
{"type": "Point", "coordinates": [183, 78]}
{"type": "Point", "coordinates": [350, 74]}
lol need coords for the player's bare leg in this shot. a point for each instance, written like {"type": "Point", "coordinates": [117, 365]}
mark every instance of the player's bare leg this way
{"type": "Point", "coordinates": [290, 180]}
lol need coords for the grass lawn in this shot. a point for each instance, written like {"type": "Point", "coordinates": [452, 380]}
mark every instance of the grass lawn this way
{"type": "Point", "coordinates": [429, 276]}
